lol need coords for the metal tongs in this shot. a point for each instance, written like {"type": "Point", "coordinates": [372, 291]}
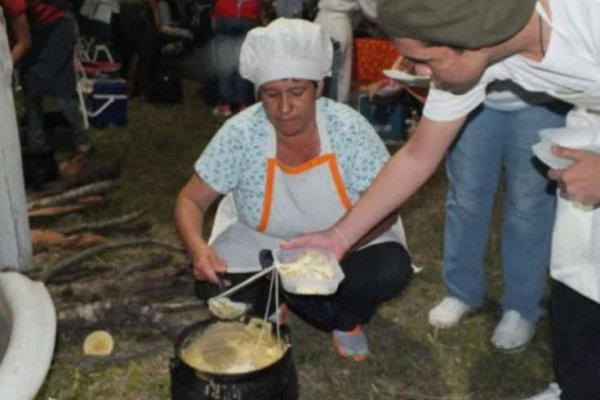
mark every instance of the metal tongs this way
{"type": "Point", "coordinates": [224, 308]}
{"type": "Point", "coordinates": [245, 283]}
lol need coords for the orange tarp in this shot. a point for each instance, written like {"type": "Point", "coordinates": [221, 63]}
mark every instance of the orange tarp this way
{"type": "Point", "coordinates": [370, 57]}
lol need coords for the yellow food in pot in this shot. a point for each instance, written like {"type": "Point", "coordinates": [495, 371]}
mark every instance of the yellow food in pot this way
{"type": "Point", "coordinates": [233, 348]}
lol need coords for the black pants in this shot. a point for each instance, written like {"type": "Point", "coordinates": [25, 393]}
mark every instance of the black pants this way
{"type": "Point", "coordinates": [372, 275]}
{"type": "Point", "coordinates": [576, 343]}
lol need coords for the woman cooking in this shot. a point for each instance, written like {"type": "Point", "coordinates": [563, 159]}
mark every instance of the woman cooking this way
{"type": "Point", "coordinates": [294, 162]}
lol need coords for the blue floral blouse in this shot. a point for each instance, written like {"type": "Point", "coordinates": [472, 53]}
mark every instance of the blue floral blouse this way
{"type": "Point", "coordinates": [236, 157]}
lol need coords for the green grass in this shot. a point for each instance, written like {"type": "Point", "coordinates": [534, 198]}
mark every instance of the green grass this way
{"type": "Point", "coordinates": [410, 360]}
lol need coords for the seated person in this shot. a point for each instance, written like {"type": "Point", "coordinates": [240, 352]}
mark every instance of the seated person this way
{"type": "Point", "coordinates": [292, 163]}
{"type": "Point", "coordinates": [389, 87]}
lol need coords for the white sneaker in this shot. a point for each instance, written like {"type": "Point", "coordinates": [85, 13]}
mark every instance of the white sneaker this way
{"type": "Point", "coordinates": [513, 332]}
{"type": "Point", "coordinates": [448, 313]}
{"type": "Point", "coordinates": [552, 393]}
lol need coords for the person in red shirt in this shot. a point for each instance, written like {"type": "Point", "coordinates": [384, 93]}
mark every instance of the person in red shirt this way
{"type": "Point", "coordinates": [232, 19]}
{"type": "Point", "coordinates": [48, 70]}
{"type": "Point", "coordinates": [21, 38]}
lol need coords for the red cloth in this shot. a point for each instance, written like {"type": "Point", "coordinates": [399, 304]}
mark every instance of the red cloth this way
{"type": "Point", "coordinates": [13, 8]}
{"type": "Point", "coordinates": [249, 9]}
{"type": "Point", "coordinates": [44, 12]}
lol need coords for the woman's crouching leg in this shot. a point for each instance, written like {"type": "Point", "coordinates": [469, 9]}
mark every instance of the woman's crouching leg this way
{"type": "Point", "coordinates": [372, 275]}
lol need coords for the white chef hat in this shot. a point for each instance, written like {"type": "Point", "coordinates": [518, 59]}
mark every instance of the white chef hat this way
{"type": "Point", "coordinates": [286, 48]}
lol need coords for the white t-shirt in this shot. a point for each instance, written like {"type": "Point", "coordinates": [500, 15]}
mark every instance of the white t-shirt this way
{"type": "Point", "coordinates": [100, 10]}
{"type": "Point", "coordinates": [569, 70]}
{"type": "Point", "coordinates": [508, 96]}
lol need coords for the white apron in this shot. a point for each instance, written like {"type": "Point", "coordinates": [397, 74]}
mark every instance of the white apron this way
{"type": "Point", "coordinates": [300, 199]}
{"type": "Point", "coordinates": [575, 259]}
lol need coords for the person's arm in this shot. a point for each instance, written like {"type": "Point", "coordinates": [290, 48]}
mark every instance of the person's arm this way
{"type": "Point", "coordinates": [406, 171]}
{"type": "Point", "coordinates": [153, 4]}
{"type": "Point", "coordinates": [374, 87]}
{"type": "Point", "coordinates": [22, 36]}
{"type": "Point", "coordinates": [192, 203]}
{"type": "Point", "coordinates": [581, 181]}
{"type": "Point", "coordinates": [379, 229]}
{"type": "Point", "coordinates": [404, 64]}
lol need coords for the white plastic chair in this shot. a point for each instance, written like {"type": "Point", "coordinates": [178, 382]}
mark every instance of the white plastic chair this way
{"type": "Point", "coordinates": [87, 69]}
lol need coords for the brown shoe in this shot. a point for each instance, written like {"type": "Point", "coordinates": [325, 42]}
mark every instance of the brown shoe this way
{"type": "Point", "coordinates": [73, 166]}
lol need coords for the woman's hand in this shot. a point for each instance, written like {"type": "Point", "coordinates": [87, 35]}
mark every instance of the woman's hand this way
{"type": "Point", "coordinates": [332, 239]}
{"type": "Point", "coordinates": [581, 180]}
{"type": "Point", "coordinates": [207, 264]}
{"type": "Point", "coordinates": [192, 203]}
{"type": "Point", "coordinates": [372, 88]}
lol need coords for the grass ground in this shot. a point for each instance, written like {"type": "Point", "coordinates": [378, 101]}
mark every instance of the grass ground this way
{"type": "Point", "coordinates": [410, 360]}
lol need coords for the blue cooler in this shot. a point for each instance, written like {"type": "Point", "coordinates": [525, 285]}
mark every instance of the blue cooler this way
{"type": "Point", "coordinates": [386, 115]}
{"type": "Point", "coordinates": [108, 103]}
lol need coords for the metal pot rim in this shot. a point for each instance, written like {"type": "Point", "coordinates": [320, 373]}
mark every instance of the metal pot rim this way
{"type": "Point", "coordinates": [199, 326]}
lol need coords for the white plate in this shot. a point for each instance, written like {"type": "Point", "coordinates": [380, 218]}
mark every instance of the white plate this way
{"type": "Point", "coordinates": [406, 78]}
{"type": "Point", "coordinates": [542, 150]}
{"type": "Point", "coordinates": [582, 138]}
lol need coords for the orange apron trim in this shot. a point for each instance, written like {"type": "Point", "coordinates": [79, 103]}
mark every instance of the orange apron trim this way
{"type": "Point", "coordinates": [326, 158]}
{"type": "Point", "coordinates": [264, 219]}
{"type": "Point", "coordinates": [339, 184]}
{"type": "Point", "coordinates": [298, 169]}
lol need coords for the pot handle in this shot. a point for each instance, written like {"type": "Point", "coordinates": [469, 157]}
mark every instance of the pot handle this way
{"type": "Point", "coordinates": [265, 257]}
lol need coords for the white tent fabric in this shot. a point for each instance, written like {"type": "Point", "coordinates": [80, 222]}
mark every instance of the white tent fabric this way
{"type": "Point", "coordinates": [27, 335]}
{"type": "Point", "coordinates": [15, 245]}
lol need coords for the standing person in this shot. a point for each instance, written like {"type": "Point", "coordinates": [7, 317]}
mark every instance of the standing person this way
{"type": "Point", "coordinates": [499, 134]}
{"type": "Point", "coordinates": [549, 46]}
{"type": "Point", "coordinates": [14, 10]}
{"type": "Point", "coordinates": [232, 19]}
{"type": "Point", "coordinates": [48, 70]}
{"type": "Point", "coordinates": [292, 163]}
{"type": "Point", "coordinates": [335, 16]}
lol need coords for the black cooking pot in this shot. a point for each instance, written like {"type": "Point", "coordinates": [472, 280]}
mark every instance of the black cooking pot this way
{"type": "Point", "coordinates": [277, 381]}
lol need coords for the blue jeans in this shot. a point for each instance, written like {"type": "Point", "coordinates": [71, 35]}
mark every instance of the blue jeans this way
{"type": "Point", "coordinates": [230, 33]}
{"type": "Point", "coordinates": [48, 71]}
{"type": "Point", "coordinates": [489, 141]}
{"type": "Point", "coordinates": [69, 106]}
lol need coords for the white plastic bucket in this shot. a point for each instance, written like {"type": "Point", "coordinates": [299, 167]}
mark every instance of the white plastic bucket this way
{"type": "Point", "coordinates": [27, 335]}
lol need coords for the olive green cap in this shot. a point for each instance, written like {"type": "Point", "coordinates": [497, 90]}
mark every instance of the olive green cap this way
{"type": "Point", "coordinates": [468, 24]}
